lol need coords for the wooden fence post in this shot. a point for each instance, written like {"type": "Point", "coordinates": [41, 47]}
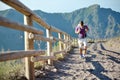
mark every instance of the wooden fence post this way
{"type": "Point", "coordinates": [65, 43]}
{"type": "Point", "coordinates": [68, 43]}
{"type": "Point", "coordinates": [74, 40]}
{"type": "Point", "coordinates": [29, 45]}
{"type": "Point", "coordinates": [49, 46]}
{"type": "Point", "coordinates": [60, 43]}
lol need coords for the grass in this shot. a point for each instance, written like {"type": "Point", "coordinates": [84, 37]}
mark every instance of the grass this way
{"type": "Point", "coordinates": [11, 70]}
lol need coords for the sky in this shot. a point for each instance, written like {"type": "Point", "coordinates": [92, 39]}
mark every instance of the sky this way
{"type": "Point", "coordinates": [61, 6]}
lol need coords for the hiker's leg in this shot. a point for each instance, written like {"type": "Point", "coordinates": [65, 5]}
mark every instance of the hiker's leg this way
{"type": "Point", "coordinates": [80, 45]}
{"type": "Point", "coordinates": [85, 46]}
{"type": "Point", "coordinates": [85, 49]}
{"type": "Point", "coordinates": [81, 51]}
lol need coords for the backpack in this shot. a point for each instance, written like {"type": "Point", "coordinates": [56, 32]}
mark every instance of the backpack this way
{"type": "Point", "coordinates": [82, 33]}
{"type": "Point", "coordinates": [85, 31]}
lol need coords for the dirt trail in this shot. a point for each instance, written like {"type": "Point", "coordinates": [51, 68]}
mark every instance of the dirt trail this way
{"type": "Point", "coordinates": [99, 64]}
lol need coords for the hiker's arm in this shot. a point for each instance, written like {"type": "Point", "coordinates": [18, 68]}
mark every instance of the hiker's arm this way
{"type": "Point", "coordinates": [86, 29]}
{"type": "Point", "coordinates": [77, 31]}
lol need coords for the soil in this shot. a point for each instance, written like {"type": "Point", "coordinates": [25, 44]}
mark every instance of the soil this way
{"type": "Point", "coordinates": [100, 63]}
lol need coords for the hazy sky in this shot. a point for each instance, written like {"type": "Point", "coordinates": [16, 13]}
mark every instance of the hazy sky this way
{"type": "Point", "coordinates": [66, 5]}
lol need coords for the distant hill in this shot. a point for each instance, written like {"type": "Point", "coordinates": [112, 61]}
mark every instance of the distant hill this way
{"type": "Point", "coordinates": [102, 22]}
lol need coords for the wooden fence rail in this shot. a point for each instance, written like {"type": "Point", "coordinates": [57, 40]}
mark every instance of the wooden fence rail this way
{"type": "Point", "coordinates": [31, 33]}
{"type": "Point", "coordinates": [13, 25]}
{"type": "Point", "coordinates": [19, 54]}
{"type": "Point", "coordinates": [16, 4]}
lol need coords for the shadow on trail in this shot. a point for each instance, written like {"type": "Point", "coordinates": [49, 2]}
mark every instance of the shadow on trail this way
{"type": "Point", "coordinates": [60, 71]}
{"type": "Point", "coordinates": [98, 68]}
{"type": "Point", "coordinates": [102, 47]}
{"type": "Point", "coordinates": [56, 75]}
{"type": "Point", "coordinates": [114, 59]}
{"type": "Point", "coordinates": [111, 57]}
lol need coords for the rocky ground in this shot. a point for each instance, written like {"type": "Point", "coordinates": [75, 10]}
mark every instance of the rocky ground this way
{"type": "Point", "coordinates": [100, 63]}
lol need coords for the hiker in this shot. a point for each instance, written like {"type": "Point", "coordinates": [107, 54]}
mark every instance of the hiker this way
{"type": "Point", "coordinates": [82, 30]}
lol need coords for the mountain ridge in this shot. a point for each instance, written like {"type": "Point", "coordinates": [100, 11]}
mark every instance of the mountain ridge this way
{"type": "Point", "coordinates": [102, 22]}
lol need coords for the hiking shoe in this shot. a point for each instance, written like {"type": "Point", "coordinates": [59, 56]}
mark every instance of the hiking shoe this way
{"type": "Point", "coordinates": [82, 55]}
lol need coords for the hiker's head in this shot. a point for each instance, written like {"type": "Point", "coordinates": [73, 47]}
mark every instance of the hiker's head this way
{"type": "Point", "coordinates": [82, 23]}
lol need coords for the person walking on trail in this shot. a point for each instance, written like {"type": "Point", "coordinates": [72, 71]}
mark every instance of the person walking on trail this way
{"type": "Point", "coordinates": [82, 30]}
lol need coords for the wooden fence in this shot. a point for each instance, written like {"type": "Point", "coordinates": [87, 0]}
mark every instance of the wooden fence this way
{"type": "Point", "coordinates": [31, 33]}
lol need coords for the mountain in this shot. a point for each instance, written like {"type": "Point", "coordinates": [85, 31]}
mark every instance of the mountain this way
{"type": "Point", "coordinates": [102, 23]}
